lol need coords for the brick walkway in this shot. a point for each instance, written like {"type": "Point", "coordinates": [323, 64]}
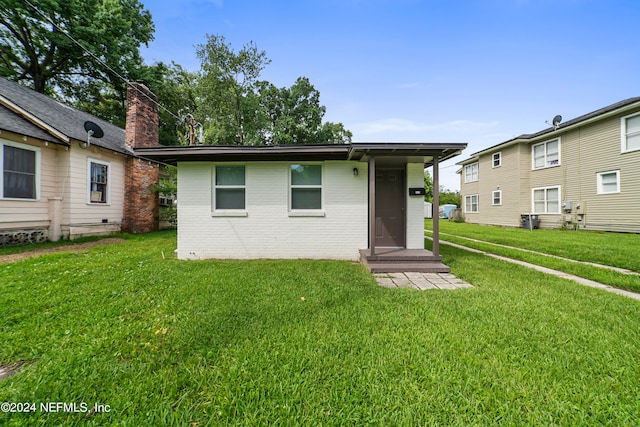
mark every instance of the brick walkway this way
{"type": "Point", "coordinates": [421, 281]}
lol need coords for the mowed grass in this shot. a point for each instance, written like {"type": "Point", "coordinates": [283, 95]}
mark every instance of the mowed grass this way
{"type": "Point", "coordinates": [589, 247]}
{"type": "Point", "coordinates": [167, 342]}
{"type": "Point", "coordinates": [615, 249]}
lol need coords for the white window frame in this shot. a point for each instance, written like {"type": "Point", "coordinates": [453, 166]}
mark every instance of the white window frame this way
{"type": "Point", "coordinates": [306, 212]}
{"type": "Point", "coordinates": [469, 172]}
{"type": "Point", "coordinates": [546, 200]}
{"type": "Point", "coordinates": [546, 154]}
{"type": "Point", "coordinates": [493, 198]}
{"type": "Point", "coordinates": [469, 198]}
{"type": "Point", "coordinates": [623, 133]}
{"type": "Point", "coordinates": [599, 182]}
{"type": "Point", "coordinates": [228, 212]}
{"type": "Point", "coordinates": [494, 157]}
{"type": "Point", "coordinates": [108, 196]}
{"type": "Point", "coordinates": [3, 143]}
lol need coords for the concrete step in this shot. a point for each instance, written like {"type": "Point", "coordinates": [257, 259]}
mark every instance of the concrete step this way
{"type": "Point", "coordinates": [402, 267]}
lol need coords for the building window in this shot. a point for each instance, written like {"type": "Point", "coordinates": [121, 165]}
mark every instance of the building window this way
{"type": "Point", "coordinates": [98, 182]}
{"type": "Point", "coordinates": [546, 200]}
{"type": "Point", "coordinates": [20, 165]}
{"type": "Point", "coordinates": [608, 182]}
{"type": "Point", "coordinates": [230, 188]}
{"type": "Point", "coordinates": [471, 172]}
{"type": "Point", "coordinates": [631, 133]}
{"type": "Point", "coordinates": [306, 186]}
{"type": "Point", "coordinates": [471, 203]}
{"type": "Point", "coordinates": [496, 198]}
{"type": "Point", "coordinates": [496, 160]}
{"type": "Point", "coordinates": [546, 154]}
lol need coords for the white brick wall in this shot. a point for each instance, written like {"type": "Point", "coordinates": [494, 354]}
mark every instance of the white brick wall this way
{"type": "Point", "coordinates": [268, 231]}
{"type": "Point", "coordinates": [415, 207]}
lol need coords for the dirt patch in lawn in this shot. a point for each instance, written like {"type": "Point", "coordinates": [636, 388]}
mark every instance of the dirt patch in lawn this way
{"type": "Point", "coordinates": [11, 369]}
{"type": "Point", "coordinates": [66, 248]}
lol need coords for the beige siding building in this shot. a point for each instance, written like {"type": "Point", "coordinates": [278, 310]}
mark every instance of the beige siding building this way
{"type": "Point", "coordinates": [57, 180]}
{"type": "Point", "coordinates": [582, 173]}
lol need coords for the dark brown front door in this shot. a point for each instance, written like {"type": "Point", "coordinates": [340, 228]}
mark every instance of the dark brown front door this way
{"type": "Point", "coordinates": [390, 203]}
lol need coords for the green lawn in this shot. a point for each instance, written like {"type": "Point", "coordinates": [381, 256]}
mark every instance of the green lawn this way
{"type": "Point", "coordinates": [577, 245]}
{"type": "Point", "coordinates": [167, 342]}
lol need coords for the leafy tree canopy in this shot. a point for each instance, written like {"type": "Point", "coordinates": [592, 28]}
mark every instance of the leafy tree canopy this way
{"type": "Point", "coordinates": [237, 107]}
{"type": "Point", "coordinates": [35, 51]}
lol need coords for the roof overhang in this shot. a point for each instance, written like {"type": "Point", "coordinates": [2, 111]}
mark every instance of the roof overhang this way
{"type": "Point", "coordinates": [33, 119]}
{"type": "Point", "coordinates": [420, 152]}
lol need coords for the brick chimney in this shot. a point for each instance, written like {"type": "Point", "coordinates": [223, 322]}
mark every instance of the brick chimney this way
{"type": "Point", "coordinates": [141, 204]}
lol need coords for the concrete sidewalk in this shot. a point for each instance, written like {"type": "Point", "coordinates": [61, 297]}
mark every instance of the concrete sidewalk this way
{"type": "Point", "coordinates": [577, 279]}
{"type": "Point", "coordinates": [420, 281]}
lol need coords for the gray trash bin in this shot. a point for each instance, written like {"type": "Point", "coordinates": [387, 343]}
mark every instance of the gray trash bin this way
{"type": "Point", "coordinates": [529, 222]}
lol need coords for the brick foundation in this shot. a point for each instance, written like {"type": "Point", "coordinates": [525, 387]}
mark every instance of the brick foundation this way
{"type": "Point", "coordinates": [141, 204]}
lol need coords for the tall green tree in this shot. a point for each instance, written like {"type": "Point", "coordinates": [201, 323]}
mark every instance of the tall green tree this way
{"type": "Point", "coordinates": [228, 88]}
{"type": "Point", "coordinates": [34, 50]}
{"type": "Point", "coordinates": [237, 107]}
{"type": "Point", "coordinates": [428, 186]}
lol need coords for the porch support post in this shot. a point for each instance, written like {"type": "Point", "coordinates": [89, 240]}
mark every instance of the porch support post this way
{"type": "Point", "coordinates": [436, 206]}
{"type": "Point", "coordinates": [372, 205]}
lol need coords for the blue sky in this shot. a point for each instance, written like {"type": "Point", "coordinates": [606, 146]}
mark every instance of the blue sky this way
{"type": "Point", "coordinates": [474, 71]}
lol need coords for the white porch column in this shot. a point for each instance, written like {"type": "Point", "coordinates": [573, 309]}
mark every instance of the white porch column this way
{"type": "Point", "coordinates": [55, 218]}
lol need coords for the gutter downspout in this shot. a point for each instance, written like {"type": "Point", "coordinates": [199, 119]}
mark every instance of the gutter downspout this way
{"type": "Point", "coordinates": [372, 206]}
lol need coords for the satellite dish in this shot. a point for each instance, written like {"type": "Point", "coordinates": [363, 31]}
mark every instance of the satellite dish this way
{"type": "Point", "coordinates": [93, 129]}
{"type": "Point", "coordinates": [556, 121]}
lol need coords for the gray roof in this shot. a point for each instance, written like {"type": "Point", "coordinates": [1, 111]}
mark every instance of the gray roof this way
{"type": "Point", "coordinates": [415, 151]}
{"type": "Point", "coordinates": [61, 117]}
{"type": "Point", "coordinates": [529, 136]}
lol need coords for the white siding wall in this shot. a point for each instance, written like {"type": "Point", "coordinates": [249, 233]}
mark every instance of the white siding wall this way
{"type": "Point", "coordinates": [415, 207]}
{"type": "Point", "coordinates": [268, 231]}
{"type": "Point", "coordinates": [19, 214]}
{"type": "Point", "coordinates": [80, 217]}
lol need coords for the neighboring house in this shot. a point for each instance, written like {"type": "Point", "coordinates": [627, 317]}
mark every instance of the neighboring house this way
{"type": "Point", "coordinates": [336, 201]}
{"type": "Point", "coordinates": [584, 173]}
{"type": "Point", "coordinates": [58, 182]}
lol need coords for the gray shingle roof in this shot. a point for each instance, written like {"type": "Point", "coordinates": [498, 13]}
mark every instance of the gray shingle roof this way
{"type": "Point", "coordinates": [568, 123]}
{"type": "Point", "coordinates": [63, 118]}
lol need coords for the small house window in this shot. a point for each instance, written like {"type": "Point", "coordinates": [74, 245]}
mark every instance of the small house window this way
{"type": "Point", "coordinates": [19, 164]}
{"type": "Point", "coordinates": [98, 182]}
{"type": "Point", "coordinates": [546, 200]}
{"type": "Point", "coordinates": [608, 182]}
{"type": "Point", "coordinates": [496, 198]}
{"type": "Point", "coordinates": [306, 186]}
{"type": "Point", "coordinates": [496, 160]}
{"type": "Point", "coordinates": [546, 154]}
{"type": "Point", "coordinates": [631, 133]}
{"type": "Point", "coordinates": [471, 203]}
{"type": "Point", "coordinates": [230, 188]}
{"type": "Point", "coordinates": [471, 172]}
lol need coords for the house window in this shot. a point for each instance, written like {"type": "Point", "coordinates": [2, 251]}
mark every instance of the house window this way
{"type": "Point", "coordinates": [546, 154]}
{"type": "Point", "coordinates": [546, 200]}
{"type": "Point", "coordinates": [608, 182]}
{"type": "Point", "coordinates": [496, 198]}
{"type": "Point", "coordinates": [98, 182]}
{"type": "Point", "coordinates": [496, 160]}
{"type": "Point", "coordinates": [230, 188]}
{"type": "Point", "coordinates": [306, 186]}
{"type": "Point", "coordinates": [471, 172]}
{"type": "Point", "coordinates": [631, 133]}
{"type": "Point", "coordinates": [471, 203]}
{"type": "Point", "coordinates": [20, 166]}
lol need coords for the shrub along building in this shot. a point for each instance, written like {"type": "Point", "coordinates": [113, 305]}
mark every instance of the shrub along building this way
{"type": "Point", "coordinates": [340, 201]}
{"type": "Point", "coordinates": [582, 173]}
{"type": "Point", "coordinates": [66, 173]}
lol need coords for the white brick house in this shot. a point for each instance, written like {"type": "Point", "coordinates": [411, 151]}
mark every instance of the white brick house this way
{"type": "Point", "coordinates": [302, 201]}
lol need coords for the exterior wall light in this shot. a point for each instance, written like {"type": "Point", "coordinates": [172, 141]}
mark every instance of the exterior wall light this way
{"type": "Point", "coordinates": [355, 171]}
